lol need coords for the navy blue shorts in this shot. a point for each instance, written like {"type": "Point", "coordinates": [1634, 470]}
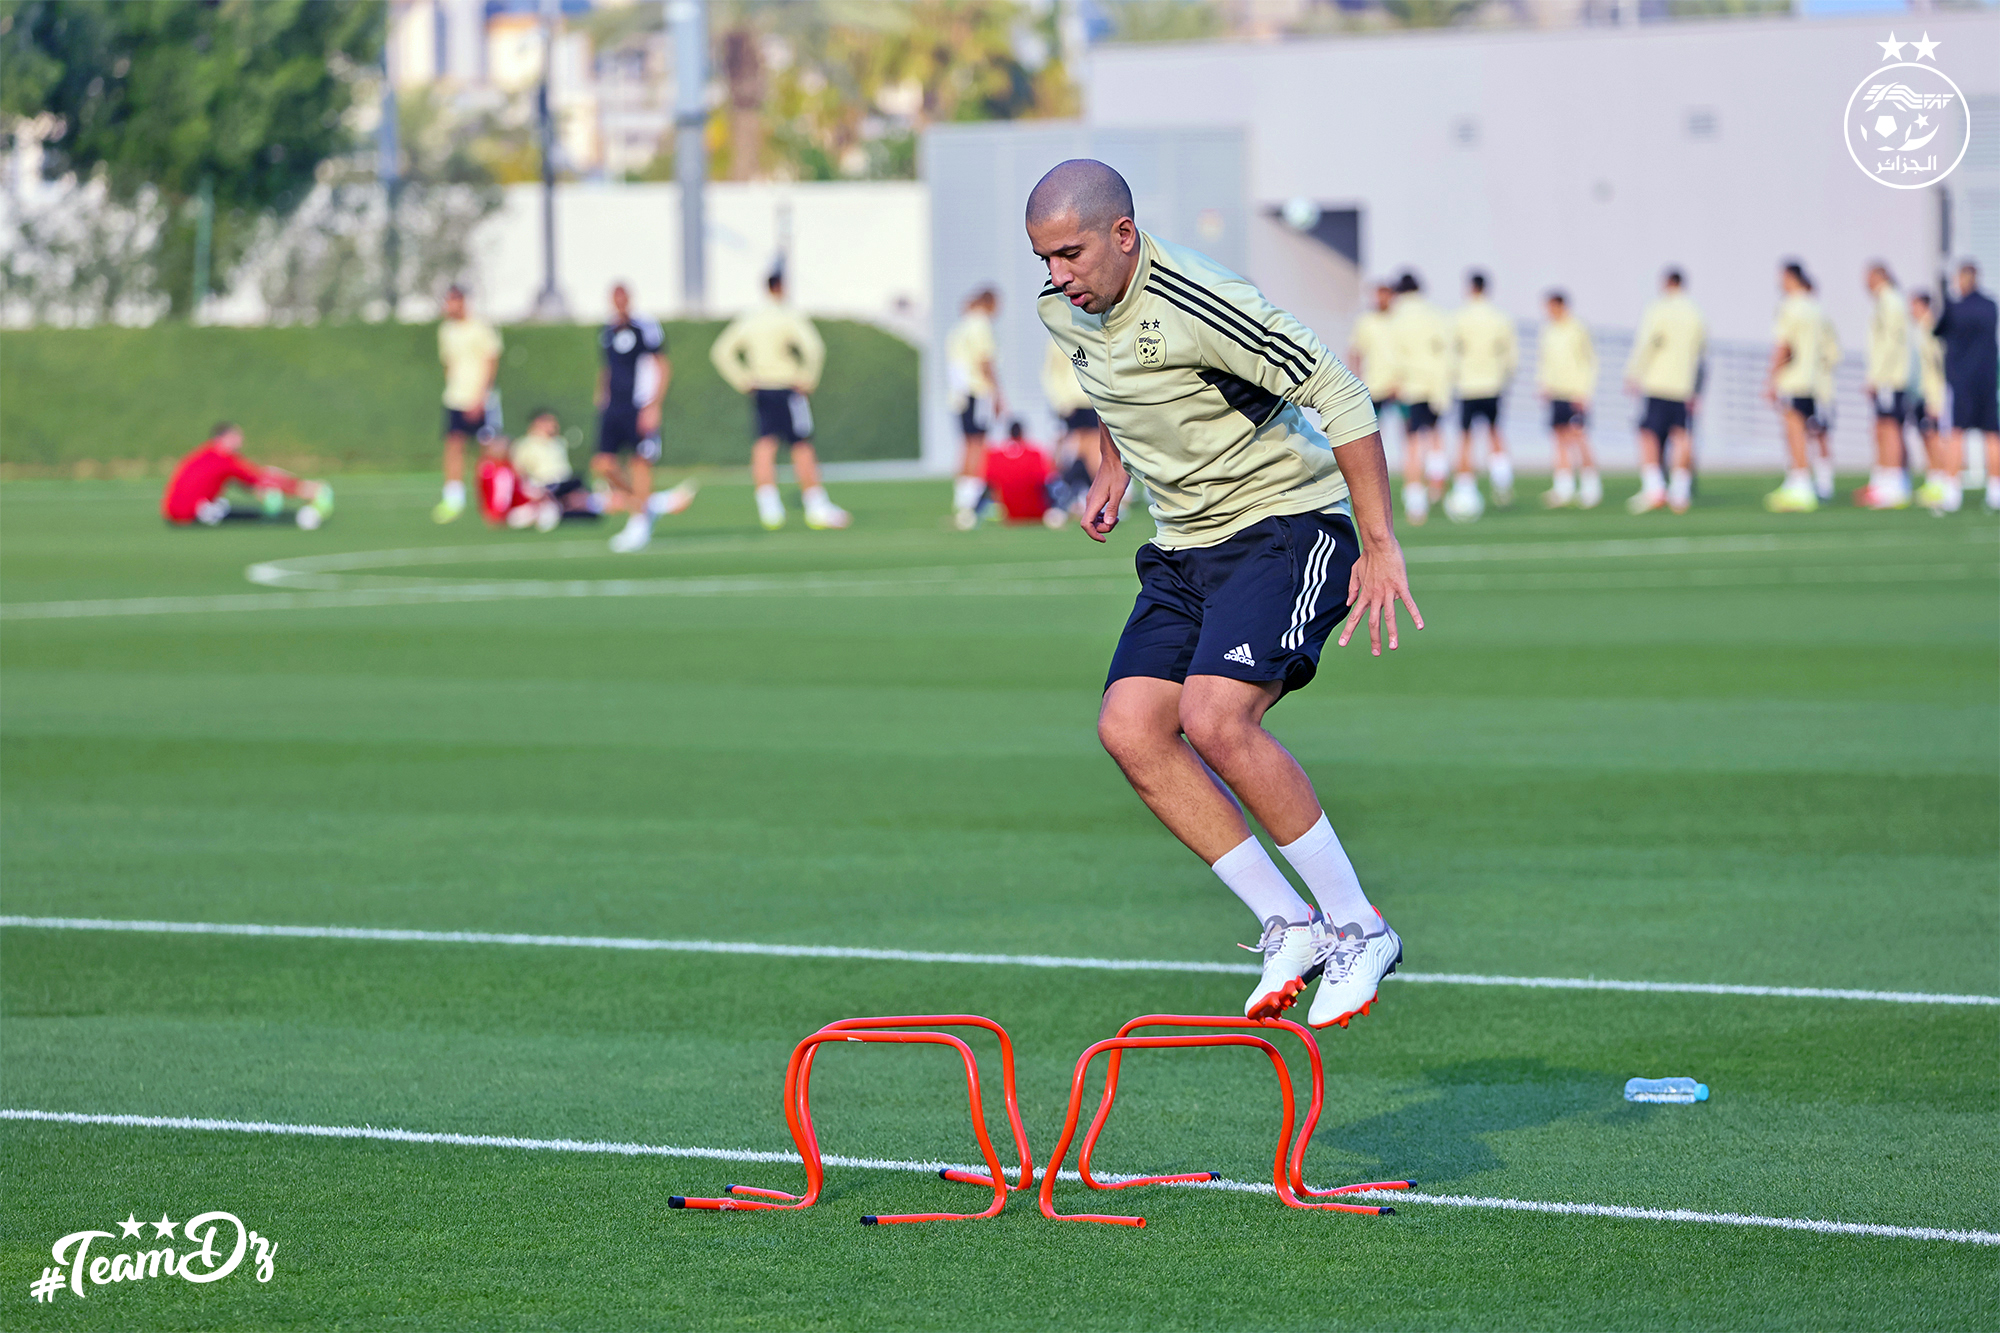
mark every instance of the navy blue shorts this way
{"type": "Point", "coordinates": [1479, 409]}
{"type": "Point", "coordinates": [1257, 607]}
{"type": "Point", "coordinates": [782, 415]}
{"type": "Point", "coordinates": [618, 433]}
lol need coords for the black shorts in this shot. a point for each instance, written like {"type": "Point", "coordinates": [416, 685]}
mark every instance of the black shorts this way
{"type": "Point", "coordinates": [1975, 407]}
{"type": "Point", "coordinates": [1803, 406]}
{"type": "Point", "coordinates": [1084, 418]}
{"type": "Point", "coordinates": [1475, 409]}
{"type": "Point", "coordinates": [1382, 405]}
{"type": "Point", "coordinates": [1664, 415]}
{"type": "Point", "coordinates": [1922, 418]}
{"type": "Point", "coordinates": [618, 433]}
{"type": "Point", "coordinates": [781, 414]}
{"type": "Point", "coordinates": [1420, 416]}
{"type": "Point", "coordinates": [1565, 412]}
{"type": "Point", "coordinates": [1891, 406]}
{"type": "Point", "coordinates": [1257, 607]}
{"type": "Point", "coordinates": [458, 423]}
{"type": "Point", "coordinates": [976, 417]}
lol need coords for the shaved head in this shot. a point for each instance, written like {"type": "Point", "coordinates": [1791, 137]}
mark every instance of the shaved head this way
{"type": "Point", "coordinates": [1083, 188]}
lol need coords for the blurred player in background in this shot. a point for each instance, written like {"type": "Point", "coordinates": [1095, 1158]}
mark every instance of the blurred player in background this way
{"type": "Point", "coordinates": [1791, 383]}
{"type": "Point", "coordinates": [1665, 368]}
{"type": "Point", "coordinates": [1943, 490]}
{"type": "Point", "coordinates": [1888, 378]}
{"type": "Point", "coordinates": [540, 460]}
{"type": "Point", "coordinates": [1021, 477]}
{"type": "Point", "coordinates": [1484, 353]}
{"type": "Point", "coordinates": [1371, 351]}
{"type": "Point", "coordinates": [194, 492]}
{"type": "Point", "coordinates": [774, 355]}
{"type": "Point", "coordinates": [470, 351]}
{"type": "Point", "coordinates": [1819, 426]}
{"type": "Point", "coordinates": [1201, 383]}
{"type": "Point", "coordinates": [970, 350]}
{"type": "Point", "coordinates": [1566, 372]}
{"type": "Point", "coordinates": [1420, 352]}
{"type": "Point", "coordinates": [631, 387]}
{"type": "Point", "coordinates": [1967, 327]}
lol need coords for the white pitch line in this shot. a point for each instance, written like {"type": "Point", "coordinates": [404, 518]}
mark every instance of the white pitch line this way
{"type": "Point", "coordinates": [400, 936]}
{"type": "Point", "coordinates": [601, 1146]}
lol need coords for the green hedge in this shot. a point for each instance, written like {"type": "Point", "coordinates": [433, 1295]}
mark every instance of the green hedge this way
{"type": "Point", "coordinates": [365, 397]}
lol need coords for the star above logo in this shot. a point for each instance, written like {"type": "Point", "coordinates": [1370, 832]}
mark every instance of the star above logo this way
{"type": "Point", "coordinates": [1923, 121]}
{"type": "Point", "coordinates": [131, 1225]}
{"type": "Point", "coordinates": [163, 1227]}
{"type": "Point", "coordinates": [1926, 49]}
{"type": "Point", "coordinates": [1892, 49]}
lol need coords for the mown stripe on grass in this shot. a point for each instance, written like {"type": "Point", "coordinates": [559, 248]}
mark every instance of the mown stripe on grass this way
{"type": "Point", "coordinates": [601, 1146]}
{"type": "Point", "coordinates": [399, 936]}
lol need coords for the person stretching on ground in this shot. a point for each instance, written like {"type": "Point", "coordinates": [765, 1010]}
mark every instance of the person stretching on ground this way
{"type": "Point", "coordinates": [194, 493]}
{"type": "Point", "coordinates": [1261, 517]}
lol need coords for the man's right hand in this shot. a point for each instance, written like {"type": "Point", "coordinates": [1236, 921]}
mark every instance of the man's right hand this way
{"type": "Point", "coordinates": [476, 414]}
{"type": "Point", "coordinates": [1106, 494]}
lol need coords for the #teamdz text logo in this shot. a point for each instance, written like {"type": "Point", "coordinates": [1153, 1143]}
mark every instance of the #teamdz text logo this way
{"type": "Point", "coordinates": [1907, 123]}
{"type": "Point", "coordinates": [209, 1247]}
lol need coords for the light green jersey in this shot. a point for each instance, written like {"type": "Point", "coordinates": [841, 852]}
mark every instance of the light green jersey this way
{"type": "Point", "coordinates": [1202, 382]}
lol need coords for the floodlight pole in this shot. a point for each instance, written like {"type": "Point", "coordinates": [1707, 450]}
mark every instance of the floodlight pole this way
{"type": "Point", "coordinates": [388, 170]}
{"type": "Point", "coordinates": [549, 305]}
{"type": "Point", "coordinates": [689, 19]}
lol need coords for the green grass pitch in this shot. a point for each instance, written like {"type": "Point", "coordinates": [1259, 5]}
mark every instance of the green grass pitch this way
{"type": "Point", "coordinates": [1765, 754]}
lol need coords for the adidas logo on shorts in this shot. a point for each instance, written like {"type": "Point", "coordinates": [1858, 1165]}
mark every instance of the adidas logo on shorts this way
{"type": "Point", "coordinates": [1240, 655]}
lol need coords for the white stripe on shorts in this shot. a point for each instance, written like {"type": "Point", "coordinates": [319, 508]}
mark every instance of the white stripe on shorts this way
{"type": "Point", "coordinates": [1308, 599]}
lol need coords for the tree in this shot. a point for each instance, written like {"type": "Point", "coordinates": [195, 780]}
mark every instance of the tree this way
{"type": "Point", "coordinates": [239, 99]}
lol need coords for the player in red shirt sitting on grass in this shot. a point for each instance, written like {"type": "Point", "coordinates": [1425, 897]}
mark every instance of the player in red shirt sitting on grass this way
{"type": "Point", "coordinates": [194, 494]}
{"type": "Point", "coordinates": [1018, 473]}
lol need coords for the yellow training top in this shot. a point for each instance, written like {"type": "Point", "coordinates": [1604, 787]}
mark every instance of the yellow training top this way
{"type": "Point", "coordinates": [1888, 340]}
{"type": "Point", "coordinates": [1420, 347]}
{"type": "Point", "coordinates": [1483, 346]}
{"type": "Point", "coordinates": [770, 347]}
{"type": "Point", "coordinates": [1059, 384]}
{"type": "Point", "coordinates": [542, 459]}
{"type": "Point", "coordinates": [1798, 328]}
{"type": "Point", "coordinates": [1666, 355]}
{"type": "Point", "coordinates": [1372, 347]}
{"type": "Point", "coordinates": [969, 351]}
{"type": "Point", "coordinates": [468, 349]}
{"type": "Point", "coordinates": [1567, 363]}
{"type": "Point", "coordinates": [1201, 382]}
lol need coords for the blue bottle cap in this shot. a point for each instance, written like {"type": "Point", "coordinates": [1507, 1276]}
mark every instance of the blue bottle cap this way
{"type": "Point", "coordinates": [1701, 1092]}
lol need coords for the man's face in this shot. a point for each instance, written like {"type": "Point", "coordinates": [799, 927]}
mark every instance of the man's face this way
{"type": "Point", "coordinates": [232, 440]}
{"type": "Point", "coordinates": [1383, 297]}
{"type": "Point", "coordinates": [1877, 280]}
{"type": "Point", "coordinates": [1092, 268]}
{"type": "Point", "coordinates": [1788, 284]}
{"type": "Point", "coordinates": [1557, 310]}
{"type": "Point", "coordinates": [1920, 311]}
{"type": "Point", "coordinates": [1968, 282]}
{"type": "Point", "coordinates": [621, 301]}
{"type": "Point", "coordinates": [454, 305]}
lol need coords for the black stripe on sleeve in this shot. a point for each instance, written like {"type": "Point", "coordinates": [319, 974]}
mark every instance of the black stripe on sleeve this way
{"type": "Point", "coordinates": [1296, 354]}
{"type": "Point", "coordinates": [1252, 400]}
{"type": "Point", "coordinates": [1291, 371]}
{"type": "Point", "coordinates": [1051, 290]}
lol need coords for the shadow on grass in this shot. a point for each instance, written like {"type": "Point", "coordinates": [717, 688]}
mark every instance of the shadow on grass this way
{"type": "Point", "coordinates": [1445, 1136]}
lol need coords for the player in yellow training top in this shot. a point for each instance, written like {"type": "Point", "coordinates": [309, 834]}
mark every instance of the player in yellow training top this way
{"type": "Point", "coordinates": [1566, 369]}
{"type": "Point", "coordinates": [1793, 378]}
{"type": "Point", "coordinates": [470, 350]}
{"type": "Point", "coordinates": [1942, 491]}
{"type": "Point", "coordinates": [1665, 367]}
{"type": "Point", "coordinates": [970, 352]}
{"type": "Point", "coordinates": [1484, 353]}
{"type": "Point", "coordinates": [773, 355]}
{"type": "Point", "coordinates": [1888, 379]}
{"type": "Point", "coordinates": [1420, 346]}
{"type": "Point", "coordinates": [1269, 530]}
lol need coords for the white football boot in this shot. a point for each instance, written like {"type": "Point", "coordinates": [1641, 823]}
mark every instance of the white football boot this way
{"type": "Point", "coordinates": [1291, 956]}
{"type": "Point", "coordinates": [634, 536]}
{"type": "Point", "coordinates": [1353, 964]}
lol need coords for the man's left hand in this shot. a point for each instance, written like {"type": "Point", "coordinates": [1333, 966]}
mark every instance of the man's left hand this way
{"type": "Point", "coordinates": [649, 419]}
{"type": "Point", "coordinates": [1378, 580]}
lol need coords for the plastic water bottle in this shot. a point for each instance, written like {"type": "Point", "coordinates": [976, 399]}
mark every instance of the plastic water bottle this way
{"type": "Point", "coordinates": [1682, 1090]}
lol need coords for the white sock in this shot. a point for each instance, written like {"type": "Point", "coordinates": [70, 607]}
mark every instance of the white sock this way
{"type": "Point", "coordinates": [1565, 484]}
{"type": "Point", "coordinates": [966, 492]}
{"type": "Point", "coordinates": [1797, 480]}
{"type": "Point", "coordinates": [1416, 500]}
{"type": "Point", "coordinates": [1501, 471]}
{"type": "Point", "coordinates": [1322, 863]}
{"type": "Point", "coordinates": [1993, 492]}
{"type": "Point", "coordinates": [1254, 877]}
{"type": "Point", "coordinates": [768, 501]}
{"type": "Point", "coordinates": [816, 498]}
{"type": "Point", "coordinates": [1651, 480]}
{"type": "Point", "coordinates": [1592, 489]}
{"type": "Point", "coordinates": [1680, 485]}
{"type": "Point", "coordinates": [1435, 465]}
{"type": "Point", "coordinates": [454, 494]}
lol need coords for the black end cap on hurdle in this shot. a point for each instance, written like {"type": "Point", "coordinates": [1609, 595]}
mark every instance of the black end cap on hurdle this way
{"type": "Point", "coordinates": [729, 1189]}
{"type": "Point", "coordinates": [871, 1221]}
{"type": "Point", "coordinates": [677, 1201]}
{"type": "Point", "coordinates": [944, 1173]}
{"type": "Point", "coordinates": [1386, 1212]}
{"type": "Point", "coordinates": [1215, 1175]}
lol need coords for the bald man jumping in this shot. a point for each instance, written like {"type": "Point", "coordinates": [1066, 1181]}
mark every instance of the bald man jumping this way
{"type": "Point", "coordinates": [1199, 384]}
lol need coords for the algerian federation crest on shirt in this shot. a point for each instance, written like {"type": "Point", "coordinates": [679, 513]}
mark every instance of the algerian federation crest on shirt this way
{"type": "Point", "coordinates": [1151, 345]}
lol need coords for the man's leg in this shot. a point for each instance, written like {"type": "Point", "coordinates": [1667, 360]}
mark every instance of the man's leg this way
{"type": "Point", "coordinates": [1416, 495]}
{"type": "Point", "coordinates": [821, 511]}
{"type": "Point", "coordinates": [606, 467]}
{"type": "Point", "coordinates": [970, 487]}
{"type": "Point", "coordinates": [453, 502]}
{"type": "Point", "coordinates": [764, 475]}
{"type": "Point", "coordinates": [1652, 480]}
{"type": "Point", "coordinates": [1680, 469]}
{"type": "Point", "coordinates": [1499, 464]}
